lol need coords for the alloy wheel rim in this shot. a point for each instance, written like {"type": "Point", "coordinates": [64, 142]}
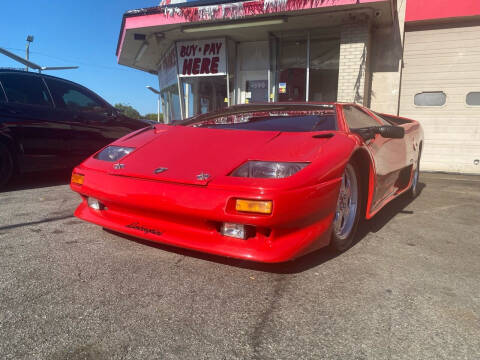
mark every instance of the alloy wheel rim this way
{"type": "Point", "coordinates": [347, 204]}
{"type": "Point", "coordinates": [415, 178]}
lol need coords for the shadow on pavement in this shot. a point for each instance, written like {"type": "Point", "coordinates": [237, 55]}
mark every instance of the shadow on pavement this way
{"type": "Point", "coordinates": [38, 180]}
{"type": "Point", "coordinates": [303, 263]}
{"type": "Point", "coordinates": [386, 214]}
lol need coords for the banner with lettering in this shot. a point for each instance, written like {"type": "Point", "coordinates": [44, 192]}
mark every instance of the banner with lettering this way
{"type": "Point", "coordinates": [167, 71]}
{"type": "Point", "coordinates": [202, 57]}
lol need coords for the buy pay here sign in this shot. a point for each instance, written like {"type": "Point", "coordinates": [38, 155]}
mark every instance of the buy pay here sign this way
{"type": "Point", "coordinates": [202, 57]}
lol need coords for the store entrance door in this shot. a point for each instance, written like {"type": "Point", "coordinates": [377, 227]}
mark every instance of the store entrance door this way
{"type": "Point", "coordinates": [308, 66]}
{"type": "Point", "coordinates": [292, 73]}
{"type": "Point", "coordinates": [257, 91]}
{"type": "Point", "coordinates": [204, 94]}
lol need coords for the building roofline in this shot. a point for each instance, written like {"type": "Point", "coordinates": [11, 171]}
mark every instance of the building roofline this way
{"type": "Point", "coordinates": [164, 9]}
{"type": "Point", "coordinates": [159, 9]}
{"type": "Point", "coordinates": [150, 11]}
{"type": "Point", "coordinates": [120, 35]}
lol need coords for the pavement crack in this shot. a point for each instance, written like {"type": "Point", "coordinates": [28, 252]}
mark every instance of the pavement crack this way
{"type": "Point", "coordinates": [180, 260]}
{"type": "Point", "coordinates": [266, 316]}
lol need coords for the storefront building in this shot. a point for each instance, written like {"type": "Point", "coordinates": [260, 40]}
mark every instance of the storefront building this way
{"type": "Point", "coordinates": [209, 54]}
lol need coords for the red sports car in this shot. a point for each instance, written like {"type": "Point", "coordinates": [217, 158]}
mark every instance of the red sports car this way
{"type": "Point", "coordinates": [262, 182]}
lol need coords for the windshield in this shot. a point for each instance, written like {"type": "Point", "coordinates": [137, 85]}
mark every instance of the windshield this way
{"type": "Point", "coordinates": [287, 121]}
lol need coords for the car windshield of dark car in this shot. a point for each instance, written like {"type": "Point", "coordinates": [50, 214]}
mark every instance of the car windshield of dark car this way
{"type": "Point", "coordinates": [288, 121]}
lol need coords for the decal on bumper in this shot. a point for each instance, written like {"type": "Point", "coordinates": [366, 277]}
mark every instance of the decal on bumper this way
{"type": "Point", "coordinates": [144, 229]}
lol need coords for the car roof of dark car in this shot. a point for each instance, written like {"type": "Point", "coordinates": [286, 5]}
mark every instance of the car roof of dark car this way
{"type": "Point", "coordinates": [34, 73]}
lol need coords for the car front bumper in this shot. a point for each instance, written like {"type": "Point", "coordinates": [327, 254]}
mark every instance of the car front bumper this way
{"type": "Point", "coordinates": [190, 216]}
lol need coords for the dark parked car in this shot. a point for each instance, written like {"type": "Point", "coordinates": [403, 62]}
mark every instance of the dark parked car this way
{"type": "Point", "coordinates": [51, 123]}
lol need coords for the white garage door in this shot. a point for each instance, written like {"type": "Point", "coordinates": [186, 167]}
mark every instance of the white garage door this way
{"type": "Point", "coordinates": [441, 89]}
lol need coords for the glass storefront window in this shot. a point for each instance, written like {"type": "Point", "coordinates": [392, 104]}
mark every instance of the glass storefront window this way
{"type": "Point", "coordinates": [257, 90]}
{"type": "Point", "coordinates": [232, 60]}
{"type": "Point", "coordinates": [324, 64]}
{"type": "Point", "coordinates": [253, 66]}
{"type": "Point", "coordinates": [204, 94]}
{"type": "Point", "coordinates": [292, 65]}
{"type": "Point", "coordinates": [313, 54]}
{"type": "Point", "coordinates": [171, 104]}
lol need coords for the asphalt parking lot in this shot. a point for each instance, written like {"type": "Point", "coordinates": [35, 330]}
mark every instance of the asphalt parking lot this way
{"type": "Point", "coordinates": [409, 289]}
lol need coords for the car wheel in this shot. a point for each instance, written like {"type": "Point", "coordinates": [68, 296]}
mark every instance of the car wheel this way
{"type": "Point", "coordinates": [347, 213]}
{"type": "Point", "coordinates": [6, 165]}
{"type": "Point", "coordinates": [413, 191]}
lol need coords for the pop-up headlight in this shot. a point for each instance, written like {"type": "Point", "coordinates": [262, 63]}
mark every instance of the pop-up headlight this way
{"type": "Point", "coordinates": [268, 169]}
{"type": "Point", "coordinates": [113, 153]}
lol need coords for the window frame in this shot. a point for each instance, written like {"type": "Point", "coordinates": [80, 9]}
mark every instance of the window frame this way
{"type": "Point", "coordinates": [80, 89]}
{"type": "Point", "coordinates": [50, 104]}
{"type": "Point", "coordinates": [430, 92]}
{"type": "Point", "coordinates": [382, 119]}
{"type": "Point", "coordinates": [374, 119]}
{"type": "Point", "coordinates": [466, 99]}
{"type": "Point", "coordinates": [392, 120]}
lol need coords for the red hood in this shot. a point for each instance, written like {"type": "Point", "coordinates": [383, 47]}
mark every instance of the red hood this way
{"type": "Point", "coordinates": [186, 152]}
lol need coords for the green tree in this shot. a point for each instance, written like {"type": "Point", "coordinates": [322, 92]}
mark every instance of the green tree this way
{"type": "Point", "coordinates": [153, 117]}
{"type": "Point", "coordinates": [128, 110]}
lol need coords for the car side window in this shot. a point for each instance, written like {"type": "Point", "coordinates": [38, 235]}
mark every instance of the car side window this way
{"type": "Point", "coordinates": [384, 119]}
{"type": "Point", "coordinates": [71, 97]}
{"type": "Point", "coordinates": [357, 119]}
{"type": "Point", "coordinates": [25, 89]}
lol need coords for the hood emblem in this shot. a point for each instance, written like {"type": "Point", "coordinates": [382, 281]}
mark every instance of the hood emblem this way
{"type": "Point", "coordinates": [203, 176]}
{"type": "Point", "coordinates": [118, 166]}
{"type": "Point", "coordinates": [160, 170]}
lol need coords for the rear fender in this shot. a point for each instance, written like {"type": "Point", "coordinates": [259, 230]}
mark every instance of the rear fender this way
{"type": "Point", "coordinates": [366, 165]}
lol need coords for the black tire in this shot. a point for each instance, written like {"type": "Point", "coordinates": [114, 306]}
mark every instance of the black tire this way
{"type": "Point", "coordinates": [340, 240]}
{"type": "Point", "coordinates": [413, 191]}
{"type": "Point", "coordinates": [6, 165]}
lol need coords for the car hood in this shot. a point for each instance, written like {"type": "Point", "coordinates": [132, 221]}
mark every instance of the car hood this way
{"type": "Point", "coordinates": [192, 155]}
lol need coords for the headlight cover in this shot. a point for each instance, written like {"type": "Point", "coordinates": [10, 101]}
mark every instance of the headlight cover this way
{"type": "Point", "coordinates": [113, 153]}
{"type": "Point", "coordinates": [268, 169]}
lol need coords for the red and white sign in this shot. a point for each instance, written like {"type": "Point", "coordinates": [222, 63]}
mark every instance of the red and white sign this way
{"type": "Point", "coordinates": [167, 71]}
{"type": "Point", "coordinates": [202, 57]}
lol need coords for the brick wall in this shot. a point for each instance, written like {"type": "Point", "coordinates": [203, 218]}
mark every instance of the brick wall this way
{"type": "Point", "coordinates": [353, 79]}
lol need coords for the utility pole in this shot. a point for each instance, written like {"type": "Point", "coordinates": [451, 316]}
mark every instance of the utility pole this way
{"type": "Point", "coordinates": [29, 41]}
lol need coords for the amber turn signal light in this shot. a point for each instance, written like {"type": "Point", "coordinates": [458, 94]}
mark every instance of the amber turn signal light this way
{"type": "Point", "coordinates": [254, 206]}
{"type": "Point", "coordinates": [77, 178]}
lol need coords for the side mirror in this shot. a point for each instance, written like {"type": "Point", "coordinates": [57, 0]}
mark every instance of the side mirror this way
{"type": "Point", "coordinates": [386, 131]}
{"type": "Point", "coordinates": [366, 133]}
{"type": "Point", "coordinates": [390, 132]}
